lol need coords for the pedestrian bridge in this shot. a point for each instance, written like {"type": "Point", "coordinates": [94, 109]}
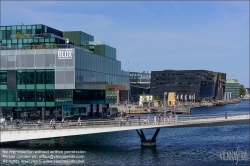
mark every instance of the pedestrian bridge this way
{"type": "Point", "coordinates": [32, 131]}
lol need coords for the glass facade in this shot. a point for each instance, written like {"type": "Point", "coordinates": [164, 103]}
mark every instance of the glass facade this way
{"type": "Point", "coordinates": [30, 37]}
{"type": "Point", "coordinates": [39, 71]}
{"type": "Point", "coordinates": [233, 86]}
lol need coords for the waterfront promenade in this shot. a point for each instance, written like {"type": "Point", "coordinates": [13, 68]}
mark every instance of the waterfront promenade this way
{"type": "Point", "coordinates": [181, 107]}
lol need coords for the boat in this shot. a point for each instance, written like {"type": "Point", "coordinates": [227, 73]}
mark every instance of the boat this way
{"type": "Point", "coordinates": [220, 103]}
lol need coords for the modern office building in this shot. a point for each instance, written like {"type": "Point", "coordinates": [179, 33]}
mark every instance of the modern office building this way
{"type": "Point", "coordinates": [233, 86]}
{"type": "Point", "coordinates": [43, 74]}
{"type": "Point", "coordinates": [139, 84]}
{"type": "Point", "coordinates": [188, 84]}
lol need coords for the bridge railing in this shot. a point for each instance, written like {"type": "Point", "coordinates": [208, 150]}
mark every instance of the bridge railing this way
{"type": "Point", "coordinates": [101, 123]}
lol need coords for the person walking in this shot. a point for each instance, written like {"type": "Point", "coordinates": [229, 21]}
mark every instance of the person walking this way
{"type": "Point", "coordinates": [54, 124]}
{"type": "Point", "coordinates": [155, 119]}
{"type": "Point", "coordinates": [79, 121]}
{"type": "Point", "coordinates": [51, 123]}
{"type": "Point", "coordinates": [39, 123]}
{"type": "Point", "coordinates": [226, 116]}
{"type": "Point", "coordinates": [11, 119]}
{"type": "Point", "coordinates": [139, 118]}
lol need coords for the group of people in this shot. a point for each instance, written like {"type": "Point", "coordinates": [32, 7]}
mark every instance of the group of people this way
{"type": "Point", "coordinates": [157, 120]}
{"type": "Point", "coordinates": [124, 120]}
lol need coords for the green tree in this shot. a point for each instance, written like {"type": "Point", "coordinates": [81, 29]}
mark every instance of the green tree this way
{"type": "Point", "coordinates": [157, 97]}
{"type": "Point", "coordinates": [144, 97]}
{"type": "Point", "coordinates": [242, 90]}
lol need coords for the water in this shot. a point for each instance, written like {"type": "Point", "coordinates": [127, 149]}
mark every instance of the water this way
{"type": "Point", "coordinates": [175, 146]}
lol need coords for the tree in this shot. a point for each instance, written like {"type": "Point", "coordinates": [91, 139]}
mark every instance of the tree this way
{"type": "Point", "coordinates": [242, 90]}
{"type": "Point", "coordinates": [144, 97]}
{"type": "Point", "coordinates": [157, 97]}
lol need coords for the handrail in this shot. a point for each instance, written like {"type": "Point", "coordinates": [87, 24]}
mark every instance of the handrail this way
{"type": "Point", "coordinates": [95, 123]}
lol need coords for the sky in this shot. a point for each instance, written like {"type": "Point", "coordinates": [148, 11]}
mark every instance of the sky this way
{"type": "Point", "coordinates": [152, 35]}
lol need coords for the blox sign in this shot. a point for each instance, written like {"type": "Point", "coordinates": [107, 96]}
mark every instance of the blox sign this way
{"type": "Point", "coordinates": [65, 53]}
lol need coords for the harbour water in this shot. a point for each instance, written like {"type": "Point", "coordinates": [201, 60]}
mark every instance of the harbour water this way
{"type": "Point", "coordinates": [222, 145]}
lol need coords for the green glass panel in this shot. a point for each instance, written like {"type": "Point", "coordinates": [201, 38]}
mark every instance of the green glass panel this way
{"type": "Point", "coordinates": [40, 104]}
{"type": "Point", "coordinates": [11, 103]}
{"type": "Point", "coordinates": [18, 27]}
{"type": "Point", "coordinates": [30, 104]}
{"type": "Point", "coordinates": [9, 41]}
{"type": "Point", "coordinates": [28, 26]}
{"type": "Point", "coordinates": [3, 103]}
{"type": "Point", "coordinates": [30, 86]}
{"type": "Point", "coordinates": [40, 86]}
{"type": "Point", "coordinates": [50, 86]}
{"type": "Point", "coordinates": [33, 26]}
{"type": "Point", "coordinates": [47, 40]}
{"type": "Point", "coordinates": [25, 40]}
{"type": "Point", "coordinates": [51, 104]}
{"type": "Point", "coordinates": [2, 28]}
{"type": "Point", "coordinates": [35, 40]}
{"type": "Point", "coordinates": [39, 26]}
{"type": "Point", "coordinates": [41, 40]}
{"type": "Point", "coordinates": [8, 28]}
{"type": "Point", "coordinates": [20, 103]}
{"type": "Point", "coordinates": [52, 40]}
{"type": "Point", "coordinates": [20, 86]}
{"type": "Point", "coordinates": [30, 40]}
{"type": "Point", "coordinates": [14, 40]}
{"type": "Point", "coordinates": [4, 41]}
{"type": "Point", "coordinates": [3, 86]}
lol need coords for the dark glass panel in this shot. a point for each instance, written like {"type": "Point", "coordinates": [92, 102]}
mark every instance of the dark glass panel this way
{"type": "Point", "coordinates": [50, 96]}
{"type": "Point", "coordinates": [93, 96]}
{"type": "Point", "coordinates": [40, 96]}
{"type": "Point", "coordinates": [21, 94]}
{"type": "Point", "coordinates": [3, 96]}
{"type": "Point", "coordinates": [21, 78]}
{"type": "Point", "coordinates": [3, 77]}
{"type": "Point", "coordinates": [11, 95]}
{"type": "Point", "coordinates": [40, 76]}
{"type": "Point", "coordinates": [49, 77]}
{"type": "Point", "coordinates": [30, 96]}
{"type": "Point", "coordinates": [30, 76]}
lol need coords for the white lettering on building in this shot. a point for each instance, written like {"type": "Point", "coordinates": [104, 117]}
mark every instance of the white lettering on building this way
{"type": "Point", "coordinates": [65, 54]}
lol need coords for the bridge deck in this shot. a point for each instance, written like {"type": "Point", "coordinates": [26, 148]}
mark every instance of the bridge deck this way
{"type": "Point", "coordinates": [33, 131]}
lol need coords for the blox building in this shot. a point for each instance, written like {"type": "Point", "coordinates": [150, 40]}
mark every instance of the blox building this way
{"type": "Point", "coordinates": [43, 74]}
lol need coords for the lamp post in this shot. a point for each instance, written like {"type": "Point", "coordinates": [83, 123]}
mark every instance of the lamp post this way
{"type": "Point", "coordinates": [165, 93]}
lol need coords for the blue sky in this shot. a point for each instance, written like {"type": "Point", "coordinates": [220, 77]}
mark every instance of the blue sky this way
{"type": "Point", "coordinates": [192, 35]}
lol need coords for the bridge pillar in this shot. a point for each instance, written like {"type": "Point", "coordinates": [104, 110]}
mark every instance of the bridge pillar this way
{"type": "Point", "coordinates": [148, 142]}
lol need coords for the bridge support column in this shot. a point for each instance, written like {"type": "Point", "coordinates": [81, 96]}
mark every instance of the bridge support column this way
{"type": "Point", "coordinates": [148, 142]}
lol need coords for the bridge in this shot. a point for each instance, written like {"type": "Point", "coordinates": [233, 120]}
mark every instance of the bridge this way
{"type": "Point", "coordinates": [29, 131]}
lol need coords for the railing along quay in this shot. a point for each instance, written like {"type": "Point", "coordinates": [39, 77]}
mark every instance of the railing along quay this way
{"type": "Point", "coordinates": [105, 123]}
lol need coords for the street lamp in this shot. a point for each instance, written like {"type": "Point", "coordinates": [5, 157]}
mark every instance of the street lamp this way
{"type": "Point", "coordinates": [165, 93]}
